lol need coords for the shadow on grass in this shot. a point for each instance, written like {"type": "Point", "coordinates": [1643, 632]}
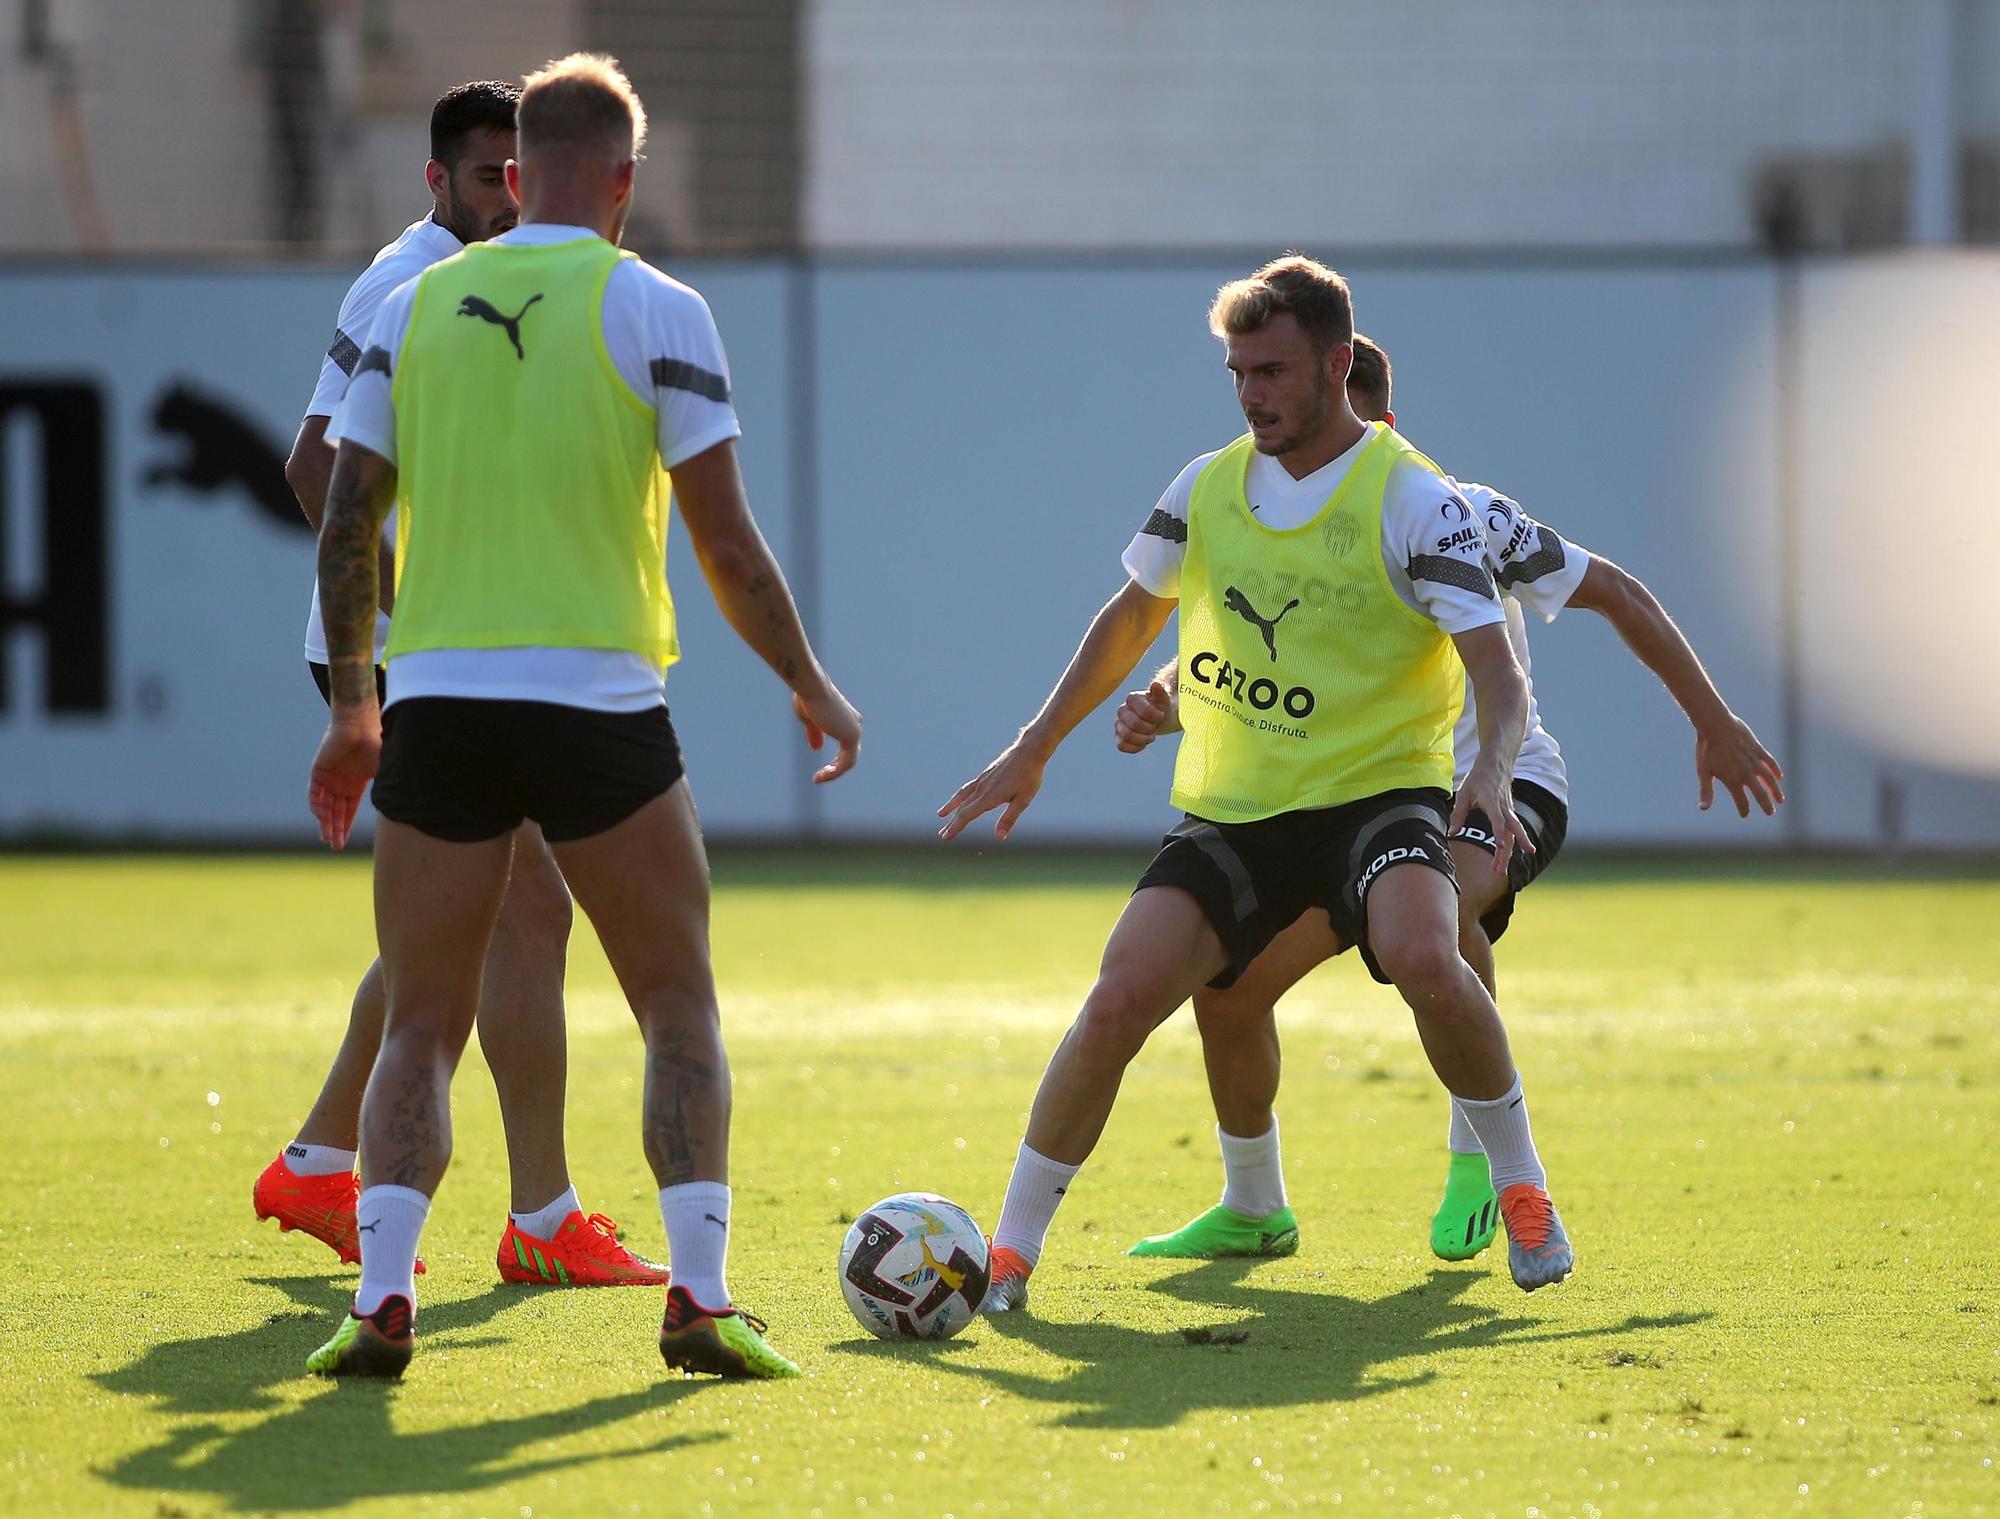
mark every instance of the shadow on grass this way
{"type": "Point", "coordinates": [1298, 1347]}
{"type": "Point", "coordinates": [340, 1445]}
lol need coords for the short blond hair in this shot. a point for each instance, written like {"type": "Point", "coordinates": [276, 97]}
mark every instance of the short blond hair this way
{"type": "Point", "coordinates": [1315, 296]}
{"type": "Point", "coordinates": [581, 101]}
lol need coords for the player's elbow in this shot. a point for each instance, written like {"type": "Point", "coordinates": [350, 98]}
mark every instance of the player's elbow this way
{"type": "Point", "coordinates": [307, 478]}
{"type": "Point", "coordinates": [1609, 590]}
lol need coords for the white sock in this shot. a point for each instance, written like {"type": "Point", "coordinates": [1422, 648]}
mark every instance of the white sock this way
{"type": "Point", "coordinates": [697, 1249]}
{"type": "Point", "coordinates": [1502, 1127]}
{"type": "Point", "coordinates": [391, 1220]}
{"type": "Point", "coordinates": [1253, 1175]}
{"type": "Point", "coordinates": [317, 1160]}
{"type": "Point", "coordinates": [1461, 1140]}
{"type": "Point", "coordinates": [1033, 1194]}
{"type": "Point", "coordinates": [543, 1222]}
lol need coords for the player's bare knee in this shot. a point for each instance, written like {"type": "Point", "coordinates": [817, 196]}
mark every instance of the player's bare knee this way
{"type": "Point", "coordinates": [676, 1012]}
{"type": "Point", "coordinates": [1423, 965]}
{"type": "Point", "coordinates": [1114, 1023]}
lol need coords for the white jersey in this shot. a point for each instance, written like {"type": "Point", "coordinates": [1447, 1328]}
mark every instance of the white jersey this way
{"type": "Point", "coordinates": [1537, 571]}
{"type": "Point", "coordinates": [420, 245]}
{"type": "Point", "coordinates": [662, 341]}
{"type": "Point", "coordinates": [1442, 577]}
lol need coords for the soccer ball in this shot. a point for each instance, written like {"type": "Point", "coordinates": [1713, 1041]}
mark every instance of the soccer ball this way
{"type": "Point", "coordinates": [914, 1267]}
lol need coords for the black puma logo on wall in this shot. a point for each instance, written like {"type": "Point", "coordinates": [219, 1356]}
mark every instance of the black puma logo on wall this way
{"type": "Point", "coordinates": [1268, 626]}
{"type": "Point", "coordinates": [223, 448]}
{"type": "Point", "coordinates": [479, 306]}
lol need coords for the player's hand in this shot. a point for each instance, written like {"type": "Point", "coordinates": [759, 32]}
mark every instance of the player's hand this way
{"type": "Point", "coordinates": [348, 758]}
{"type": "Point", "coordinates": [1141, 716]}
{"type": "Point", "coordinates": [829, 715]}
{"type": "Point", "coordinates": [1010, 783]}
{"type": "Point", "coordinates": [1488, 791]}
{"type": "Point", "coordinates": [1729, 752]}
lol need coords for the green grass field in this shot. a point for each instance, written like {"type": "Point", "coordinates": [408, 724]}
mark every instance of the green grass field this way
{"type": "Point", "coordinates": [1768, 1101]}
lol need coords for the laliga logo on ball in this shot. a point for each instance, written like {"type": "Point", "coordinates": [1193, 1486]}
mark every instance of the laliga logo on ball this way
{"type": "Point", "coordinates": [914, 1267]}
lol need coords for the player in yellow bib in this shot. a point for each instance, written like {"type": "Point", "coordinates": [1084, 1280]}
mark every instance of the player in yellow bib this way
{"type": "Point", "coordinates": [1334, 600]}
{"type": "Point", "coordinates": [520, 403]}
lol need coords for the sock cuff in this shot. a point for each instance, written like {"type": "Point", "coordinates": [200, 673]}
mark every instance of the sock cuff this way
{"type": "Point", "coordinates": [1505, 1100]}
{"type": "Point", "coordinates": [567, 1195]}
{"type": "Point", "coordinates": [707, 1193]}
{"type": "Point", "coordinates": [1035, 1157]}
{"type": "Point", "coordinates": [408, 1197]}
{"type": "Point", "coordinates": [1258, 1142]}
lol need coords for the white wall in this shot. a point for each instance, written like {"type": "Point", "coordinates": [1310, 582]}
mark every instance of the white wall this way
{"type": "Point", "coordinates": [1338, 124]}
{"type": "Point", "coordinates": [978, 443]}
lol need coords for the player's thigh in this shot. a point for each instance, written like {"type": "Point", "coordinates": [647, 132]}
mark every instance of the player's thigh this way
{"type": "Point", "coordinates": [1480, 886]}
{"type": "Point", "coordinates": [1309, 942]}
{"type": "Point", "coordinates": [1161, 949]}
{"type": "Point", "coordinates": [435, 905]}
{"type": "Point", "coordinates": [538, 899]}
{"type": "Point", "coordinates": [643, 883]}
{"type": "Point", "coordinates": [1412, 920]}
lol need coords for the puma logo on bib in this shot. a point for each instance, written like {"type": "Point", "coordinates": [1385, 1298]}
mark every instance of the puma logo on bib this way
{"type": "Point", "coordinates": [479, 306]}
{"type": "Point", "coordinates": [1238, 603]}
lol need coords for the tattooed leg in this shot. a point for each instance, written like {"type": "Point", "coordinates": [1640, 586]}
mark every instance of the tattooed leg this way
{"type": "Point", "coordinates": [644, 885]}
{"type": "Point", "coordinates": [435, 904]}
{"type": "Point", "coordinates": [687, 1101]}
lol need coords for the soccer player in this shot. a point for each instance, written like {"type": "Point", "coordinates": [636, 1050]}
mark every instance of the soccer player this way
{"type": "Point", "coordinates": [1330, 572]}
{"type": "Point", "coordinates": [311, 1185]}
{"type": "Point", "coordinates": [1537, 571]}
{"type": "Point", "coordinates": [520, 403]}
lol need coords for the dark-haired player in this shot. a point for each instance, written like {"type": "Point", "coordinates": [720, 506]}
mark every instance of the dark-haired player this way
{"type": "Point", "coordinates": [312, 1185]}
{"type": "Point", "coordinates": [1537, 571]}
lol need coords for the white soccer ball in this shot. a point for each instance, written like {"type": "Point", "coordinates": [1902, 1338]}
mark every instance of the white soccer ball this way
{"type": "Point", "coordinates": [914, 1267]}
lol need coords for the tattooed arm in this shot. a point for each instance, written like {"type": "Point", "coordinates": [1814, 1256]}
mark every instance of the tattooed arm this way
{"type": "Point", "coordinates": [750, 589]}
{"type": "Point", "coordinates": [357, 499]}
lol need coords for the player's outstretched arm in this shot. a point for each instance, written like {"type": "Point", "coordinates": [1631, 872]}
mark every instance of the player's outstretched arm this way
{"type": "Point", "coordinates": [1500, 690]}
{"type": "Point", "coordinates": [1120, 632]}
{"type": "Point", "coordinates": [358, 497]}
{"type": "Point", "coordinates": [750, 588]}
{"type": "Point", "coordinates": [1725, 748]}
{"type": "Point", "coordinates": [1144, 715]}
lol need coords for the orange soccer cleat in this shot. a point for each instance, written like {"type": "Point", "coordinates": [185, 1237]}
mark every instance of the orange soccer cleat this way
{"type": "Point", "coordinates": [584, 1253]}
{"type": "Point", "coordinates": [322, 1206]}
{"type": "Point", "coordinates": [1007, 1287]}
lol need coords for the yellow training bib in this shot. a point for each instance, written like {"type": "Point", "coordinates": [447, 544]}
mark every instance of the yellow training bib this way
{"type": "Point", "coordinates": [532, 509]}
{"type": "Point", "coordinates": [1305, 680]}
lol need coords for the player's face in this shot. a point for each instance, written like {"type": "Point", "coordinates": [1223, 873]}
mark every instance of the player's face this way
{"type": "Point", "coordinates": [1282, 383]}
{"type": "Point", "coordinates": [477, 202]}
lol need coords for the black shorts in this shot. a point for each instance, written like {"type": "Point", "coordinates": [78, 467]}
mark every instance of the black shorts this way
{"type": "Point", "coordinates": [323, 678]}
{"type": "Point", "coordinates": [1254, 879]}
{"type": "Point", "coordinates": [1545, 816]}
{"type": "Point", "coordinates": [467, 770]}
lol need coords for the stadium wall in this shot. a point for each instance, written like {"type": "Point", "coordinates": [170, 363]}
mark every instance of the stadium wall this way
{"type": "Point", "coordinates": [950, 456]}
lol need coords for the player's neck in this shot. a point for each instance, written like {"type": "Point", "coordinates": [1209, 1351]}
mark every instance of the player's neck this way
{"type": "Point", "coordinates": [1342, 431]}
{"type": "Point", "coordinates": [560, 211]}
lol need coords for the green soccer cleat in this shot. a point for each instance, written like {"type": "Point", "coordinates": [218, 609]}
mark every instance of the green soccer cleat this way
{"type": "Point", "coordinates": [1224, 1232]}
{"type": "Point", "coordinates": [725, 1341]}
{"type": "Point", "coordinates": [1469, 1214]}
{"type": "Point", "coordinates": [376, 1346]}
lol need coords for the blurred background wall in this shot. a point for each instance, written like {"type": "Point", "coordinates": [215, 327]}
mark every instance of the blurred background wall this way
{"type": "Point", "coordinates": [1707, 286]}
